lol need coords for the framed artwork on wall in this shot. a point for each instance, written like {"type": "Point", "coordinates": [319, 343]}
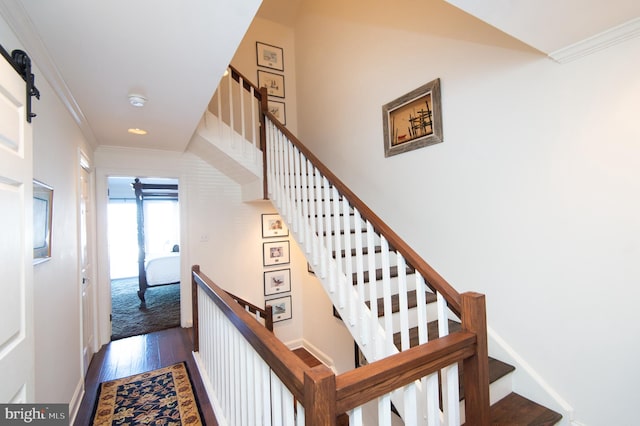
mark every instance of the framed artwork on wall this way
{"type": "Point", "coordinates": [281, 308]}
{"type": "Point", "coordinates": [413, 120]}
{"type": "Point", "coordinates": [275, 253]}
{"type": "Point", "coordinates": [42, 216]}
{"type": "Point", "coordinates": [278, 281]}
{"type": "Point", "coordinates": [278, 110]}
{"type": "Point", "coordinates": [273, 82]}
{"type": "Point", "coordinates": [273, 226]}
{"type": "Point", "coordinates": [269, 56]}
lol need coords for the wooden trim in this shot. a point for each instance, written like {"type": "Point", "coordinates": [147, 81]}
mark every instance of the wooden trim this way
{"type": "Point", "coordinates": [434, 280]}
{"type": "Point", "coordinates": [284, 363]}
{"type": "Point", "coordinates": [370, 381]}
{"type": "Point", "coordinates": [476, 368]}
{"type": "Point", "coordinates": [195, 269]}
{"type": "Point", "coordinates": [264, 107]}
{"type": "Point", "coordinates": [265, 314]}
{"type": "Point", "coordinates": [247, 84]}
{"type": "Point", "coordinates": [319, 397]}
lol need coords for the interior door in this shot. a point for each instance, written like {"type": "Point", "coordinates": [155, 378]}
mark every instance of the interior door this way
{"type": "Point", "coordinates": [86, 267]}
{"type": "Point", "coordinates": [16, 241]}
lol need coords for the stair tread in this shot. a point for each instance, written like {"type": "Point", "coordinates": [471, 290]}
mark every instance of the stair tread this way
{"type": "Point", "coordinates": [515, 409]}
{"type": "Point", "coordinates": [412, 301]}
{"type": "Point", "coordinates": [393, 273]}
{"type": "Point", "coordinates": [497, 368]}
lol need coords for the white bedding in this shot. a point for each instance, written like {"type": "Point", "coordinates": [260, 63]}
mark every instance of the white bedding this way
{"type": "Point", "coordinates": [163, 269]}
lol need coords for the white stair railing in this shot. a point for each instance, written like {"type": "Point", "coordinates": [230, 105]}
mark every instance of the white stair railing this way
{"type": "Point", "coordinates": [344, 248]}
{"type": "Point", "coordinates": [234, 109]}
{"type": "Point", "coordinates": [242, 387]}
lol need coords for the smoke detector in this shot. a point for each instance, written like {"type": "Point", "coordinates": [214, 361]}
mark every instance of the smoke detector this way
{"type": "Point", "coordinates": [137, 101]}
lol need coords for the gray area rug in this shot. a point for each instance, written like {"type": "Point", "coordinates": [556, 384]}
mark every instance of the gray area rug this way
{"type": "Point", "coordinates": [129, 319]}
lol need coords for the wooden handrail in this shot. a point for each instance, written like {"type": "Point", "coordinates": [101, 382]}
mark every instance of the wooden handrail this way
{"type": "Point", "coordinates": [246, 83]}
{"type": "Point", "coordinates": [284, 363]}
{"type": "Point", "coordinates": [434, 280]}
{"type": "Point", "coordinates": [266, 313]}
{"type": "Point", "coordinates": [370, 381]}
{"type": "Point", "coordinates": [324, 394]}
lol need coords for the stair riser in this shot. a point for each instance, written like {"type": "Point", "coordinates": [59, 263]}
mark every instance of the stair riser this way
{"type": "Point", "coordinates": [411, 285]}
{"type": "Point", "coordinates": [412, 317]}
{"type": "Point", "coordinates": [497, 390]}
{"type": "Point", "coordinates": [393, 260]}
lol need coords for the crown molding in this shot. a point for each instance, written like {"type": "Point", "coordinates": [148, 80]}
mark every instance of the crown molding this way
{"type": "Point", "coordinates": [601, 41]}
{"type": "Point", "coordinates": [20, 23]}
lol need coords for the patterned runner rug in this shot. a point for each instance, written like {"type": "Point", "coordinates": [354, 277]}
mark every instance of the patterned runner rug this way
{"type": "Point", "coordinates": [159, 397]}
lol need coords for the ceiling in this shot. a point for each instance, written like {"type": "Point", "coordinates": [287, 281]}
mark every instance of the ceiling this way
{"type": "Point", "coordinates": [94, 54]}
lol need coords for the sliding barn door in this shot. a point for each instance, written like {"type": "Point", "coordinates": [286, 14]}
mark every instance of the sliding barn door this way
{"type": "Point", "coordinates": [16, 241]}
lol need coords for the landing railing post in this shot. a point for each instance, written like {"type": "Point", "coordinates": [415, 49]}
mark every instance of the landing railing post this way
{"type": "Point", "coordinates": [320, 397]}
{"type": "Point", "coordinates": [264, 106]}
{"type": "Point", "coordinates": [194, 308]}
{"type": "Point", "coordinates": [476, 368]}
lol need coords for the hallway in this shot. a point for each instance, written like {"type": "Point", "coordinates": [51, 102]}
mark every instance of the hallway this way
{"type": "Point", "coordinates": [139, 354]}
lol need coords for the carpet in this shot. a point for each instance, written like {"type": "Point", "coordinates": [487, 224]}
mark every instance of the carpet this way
{"type": "Point", "coordinates": [159, 397]}
{"type": "Point", "coordinates": [128, 318]}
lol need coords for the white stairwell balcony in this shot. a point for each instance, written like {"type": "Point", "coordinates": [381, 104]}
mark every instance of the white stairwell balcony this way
{"type": "Point", "coordinates": [228, 135]}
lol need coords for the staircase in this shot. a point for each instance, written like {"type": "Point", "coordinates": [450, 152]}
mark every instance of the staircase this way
{"type": "Point", "coordinates": [389, 298]}
{"type": "Point", "coordinates": [508, 408]}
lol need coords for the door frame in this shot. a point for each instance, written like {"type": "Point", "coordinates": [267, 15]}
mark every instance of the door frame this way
{"type": "Point", "coordinates": [102, 249]}
{"type": "Point", "coordinates": [85, 164]}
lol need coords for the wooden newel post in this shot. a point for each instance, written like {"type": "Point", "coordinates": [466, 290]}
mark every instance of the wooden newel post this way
{"type": "Point", "coordinates": [264, 107]}
{"type": "Point", "coordinates": [476, 369]}
{"type": "Point", "coordinates": [319, 397]}
{"type": "Point", "coordinates": [195, 269]}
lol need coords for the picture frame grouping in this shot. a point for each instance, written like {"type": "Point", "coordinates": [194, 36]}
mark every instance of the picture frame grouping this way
{"type": "Point", "coordinates": [276, 253]}
{"type": "Point", "coordinates": [270, 63]}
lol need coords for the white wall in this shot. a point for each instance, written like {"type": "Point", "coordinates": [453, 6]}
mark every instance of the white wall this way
{"type": "Point", "coordinates": [532, 197]}
{"type": "Point", "coordinates": [219, 232]}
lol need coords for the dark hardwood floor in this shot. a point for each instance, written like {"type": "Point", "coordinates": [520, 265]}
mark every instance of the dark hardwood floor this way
{"type": "Point", "coordinates": [138, 354]}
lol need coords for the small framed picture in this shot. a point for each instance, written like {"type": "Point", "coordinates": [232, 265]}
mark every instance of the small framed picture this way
{"type": "Point", "coordinates": [278, 110]}
{"type": "Point", "coordinates": [281, 308]}
{"type": "Point", "coordinates": [273, 226]}
{"type": "Point", "coordinates": [273, 82]}
{"type": "Point", "coordinates": [275, 253]}
{"type": "Point", "coordinates": [276, 282]}
{"type": "Point", "coordinates": [269, 56]}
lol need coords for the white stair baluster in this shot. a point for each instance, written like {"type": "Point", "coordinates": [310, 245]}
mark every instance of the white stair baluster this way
{"type": "Point", "coordinates": [348, 259]}
{"type": "Point", "coordinates": [386, 291]}
{"type": "Point", "coordinates": [373, 292]}
{"type": "Point", "coordinates": [402, 302]}
{"type": "Point", "coordinates": [328, 237]}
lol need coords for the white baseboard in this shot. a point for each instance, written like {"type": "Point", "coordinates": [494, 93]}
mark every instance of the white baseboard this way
{"type": "Point", "coordinates": [528, 381]}
{"type": "Point", "coordinates": [313, 350]}
{"type": "Point", "coordinates": [217, 408]}
{"type": "Point", "coordinates": [76, 400]}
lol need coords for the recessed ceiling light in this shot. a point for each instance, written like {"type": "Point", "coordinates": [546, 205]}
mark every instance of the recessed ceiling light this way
{"type": "Point", "coordinates": [137, 131]}
{"type": "Point", "coordinates": [137, 100]}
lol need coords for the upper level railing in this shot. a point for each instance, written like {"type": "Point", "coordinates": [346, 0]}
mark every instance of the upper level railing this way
{"type": "Point", "coordinates": [366, 268]}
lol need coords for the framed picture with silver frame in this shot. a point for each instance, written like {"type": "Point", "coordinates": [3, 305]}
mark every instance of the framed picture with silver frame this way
{"type": "Point", "coordinates": [281, 308]}
{"type": "Point", "coordinates": [413, 121]}
{"type": "Point", "coordinates": [275, 253]}
{"type": "Point", "coordinates": [276, 282]}
{"type": "Point", "coordinates": [42, 217]}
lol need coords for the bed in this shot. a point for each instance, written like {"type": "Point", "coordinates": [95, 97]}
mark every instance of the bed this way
{"type": "Point", "coordinates": [157, 270]}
